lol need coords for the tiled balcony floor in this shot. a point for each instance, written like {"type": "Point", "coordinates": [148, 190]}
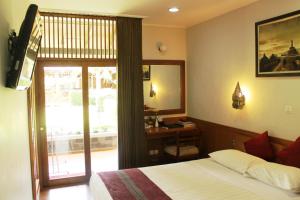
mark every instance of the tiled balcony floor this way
{"type": "Point", "coordinates": [68, 165]}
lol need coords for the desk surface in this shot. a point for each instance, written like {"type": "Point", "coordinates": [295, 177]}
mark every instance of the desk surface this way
{"type": "Point", "coordinates": [164, 132]}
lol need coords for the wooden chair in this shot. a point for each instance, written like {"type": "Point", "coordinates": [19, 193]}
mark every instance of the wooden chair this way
{"type": "Point", "coordinates": [187, 146]}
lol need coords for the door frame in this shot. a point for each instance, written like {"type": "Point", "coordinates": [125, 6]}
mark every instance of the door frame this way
{"type": "Point", "coordinates": [41, 116]}
{"type": "Point", "coordinates": [33, 146]}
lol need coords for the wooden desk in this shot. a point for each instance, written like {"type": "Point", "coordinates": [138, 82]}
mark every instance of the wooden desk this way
{"type": "Point", "coordinates": [156, 133]}
{"type": "Point", "coordinates": [155, 138]}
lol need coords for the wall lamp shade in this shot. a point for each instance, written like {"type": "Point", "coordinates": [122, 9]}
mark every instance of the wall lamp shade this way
{"type": "Point", "coordinates": [152, 91]}
{"type": "Point", "coordinates": [238, 99]}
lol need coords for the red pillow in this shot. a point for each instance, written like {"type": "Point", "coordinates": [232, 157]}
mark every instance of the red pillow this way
{"type": "Point", "coordinates": [290, 155]}
{"type": "Point", "coordinates": [260, 146]}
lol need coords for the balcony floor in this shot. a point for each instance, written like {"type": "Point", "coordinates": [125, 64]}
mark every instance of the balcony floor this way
{"type": "Point", "coordinates": [69, 165]}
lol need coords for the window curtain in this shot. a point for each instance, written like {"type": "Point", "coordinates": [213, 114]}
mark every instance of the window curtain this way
{"type": "Point", "coordinates": [131, 133]}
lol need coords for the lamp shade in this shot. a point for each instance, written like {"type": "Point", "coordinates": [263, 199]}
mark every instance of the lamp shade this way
{"type": "Point", "coordinates": [238, 99]}
{"type": "Point", "coordinates": [152, 91]}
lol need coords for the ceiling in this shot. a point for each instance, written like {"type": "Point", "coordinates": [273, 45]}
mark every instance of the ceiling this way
{"type": "Point", "coordinates": [154, 12]}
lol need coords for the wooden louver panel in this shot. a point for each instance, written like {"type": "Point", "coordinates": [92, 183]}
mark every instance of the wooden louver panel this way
{"type": "Point", "coordinates": [78, 36]}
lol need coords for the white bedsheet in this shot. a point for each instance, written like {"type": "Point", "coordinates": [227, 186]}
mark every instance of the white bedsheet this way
{"type": "Point", "coordinates": [202, 180]}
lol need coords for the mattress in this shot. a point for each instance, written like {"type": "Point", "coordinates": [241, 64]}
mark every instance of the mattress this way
{"type": "Point", "coordinates": [202, 179]}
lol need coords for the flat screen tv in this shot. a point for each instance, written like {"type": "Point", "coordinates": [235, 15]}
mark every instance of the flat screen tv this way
{"type": "Point", "coordinates": [23, 51]}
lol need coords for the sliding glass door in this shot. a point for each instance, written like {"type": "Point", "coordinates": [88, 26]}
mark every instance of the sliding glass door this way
{"type": "Point", "coordinates": [64, 121]}
{"type": "Point", "coordinates": [103, 118]}
{"type": "Point", "coordinates": [78, 111]}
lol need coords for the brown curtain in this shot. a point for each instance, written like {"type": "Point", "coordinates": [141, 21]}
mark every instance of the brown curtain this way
{"type": "Point", "coordinates": [131, 133]}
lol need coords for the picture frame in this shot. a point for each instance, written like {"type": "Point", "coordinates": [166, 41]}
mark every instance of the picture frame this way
{"type": "Point", "coordinates": [146, 72]}
{"type": "Point", "coordinates": [277, 44]}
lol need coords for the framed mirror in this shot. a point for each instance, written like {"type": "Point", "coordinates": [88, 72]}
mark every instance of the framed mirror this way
{"type": "Point", "coordinates": [164, 86]}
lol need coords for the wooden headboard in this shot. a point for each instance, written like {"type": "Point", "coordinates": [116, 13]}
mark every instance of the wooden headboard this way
{"type": "Point", "coordinates": [242, 136]}
{"type": "Point", "coordinates": [218, 137]}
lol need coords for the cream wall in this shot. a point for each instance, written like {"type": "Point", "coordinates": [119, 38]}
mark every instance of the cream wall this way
{"type": "Point", "coordinates": [220, 53]}
{"type": "Point", "coordinates": [173, 38]}
{"type": "Point", "coordinates": [15, 177]}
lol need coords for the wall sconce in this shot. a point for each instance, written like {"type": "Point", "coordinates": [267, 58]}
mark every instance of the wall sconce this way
{"type": "Point", "coordinates": [153, 90]}
{"type": "Point", "coordinates": [161, 47]}
{"type": "Point", "coordinates": [238, 99]}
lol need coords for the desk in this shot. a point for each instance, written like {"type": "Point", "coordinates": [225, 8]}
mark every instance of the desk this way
{"type": "Point", "coordinates": [155, 138]}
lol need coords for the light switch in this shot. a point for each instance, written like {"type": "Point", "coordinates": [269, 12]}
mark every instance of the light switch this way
{"type": "Point", "coordinates": [288, 109]}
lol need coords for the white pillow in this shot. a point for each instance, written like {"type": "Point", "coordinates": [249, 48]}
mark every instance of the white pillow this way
{"type": "Point", "coordinates": [234, 159]}
{"type": "Point", "coordinates": [282, 176]}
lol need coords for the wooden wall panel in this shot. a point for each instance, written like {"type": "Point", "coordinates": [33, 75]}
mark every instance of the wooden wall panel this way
{"type": "Point", "coordinates": [218, 137]}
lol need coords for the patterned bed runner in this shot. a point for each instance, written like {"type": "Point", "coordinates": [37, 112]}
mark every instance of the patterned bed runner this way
{"type": "Point", "coordinates": [131, 184]}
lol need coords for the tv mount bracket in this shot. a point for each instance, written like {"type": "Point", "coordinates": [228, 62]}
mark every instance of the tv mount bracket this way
{"type": "Point", "coordinates": [12, 44]}
{"type": "Point", "coordinates": [12, 41]}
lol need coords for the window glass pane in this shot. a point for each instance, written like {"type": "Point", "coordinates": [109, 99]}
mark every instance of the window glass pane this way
{"type": "Point", "coordinates": [103, 118]}
{"type": "Point", "coordinates": [64, 121]}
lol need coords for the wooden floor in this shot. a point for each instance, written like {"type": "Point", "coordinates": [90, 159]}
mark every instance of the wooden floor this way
{"type": "Point", "coordinates": [78, 192]}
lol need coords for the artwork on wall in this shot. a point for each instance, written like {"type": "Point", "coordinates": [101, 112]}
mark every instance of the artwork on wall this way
{"type": "Point", "coordinates": [146, 72]}
{"type": "Point", "coordinates": [278, 46]}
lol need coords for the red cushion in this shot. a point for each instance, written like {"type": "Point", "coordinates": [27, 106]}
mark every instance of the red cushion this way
{"type": "Point", "coordinates": [260, 146]}
{"type": "Point", "coordinates": [290, 155]}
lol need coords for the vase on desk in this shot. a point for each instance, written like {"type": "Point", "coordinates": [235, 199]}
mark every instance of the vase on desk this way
{"type": "Point", "coordinates": [156, 122]}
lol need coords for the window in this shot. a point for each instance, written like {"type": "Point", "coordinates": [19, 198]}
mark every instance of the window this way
{"type": "Point", "coordinates": [78, 36]}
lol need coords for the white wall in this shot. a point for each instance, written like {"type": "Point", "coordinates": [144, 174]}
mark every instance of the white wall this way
{"type": "Point", "coordinates": [15, 177]}
{"type": "Point", "coordinates": [220, 53]}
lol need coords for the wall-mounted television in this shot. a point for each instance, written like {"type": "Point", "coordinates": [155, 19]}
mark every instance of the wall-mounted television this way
{"type": "Point", "coordinates": [23, 50]}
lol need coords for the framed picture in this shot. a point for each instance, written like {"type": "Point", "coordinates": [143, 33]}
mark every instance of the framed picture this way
{"type": "Point", "coordinates": [146, 72]}
{"type": "Point", "coordinates": [278, 46]}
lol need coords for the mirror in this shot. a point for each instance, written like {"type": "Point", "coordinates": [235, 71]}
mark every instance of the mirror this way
{"type": "Point", "coordinates": [164, 86]}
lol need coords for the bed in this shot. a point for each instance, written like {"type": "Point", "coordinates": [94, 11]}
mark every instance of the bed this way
{"type": "Point", "coordinates": [199, 179]}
